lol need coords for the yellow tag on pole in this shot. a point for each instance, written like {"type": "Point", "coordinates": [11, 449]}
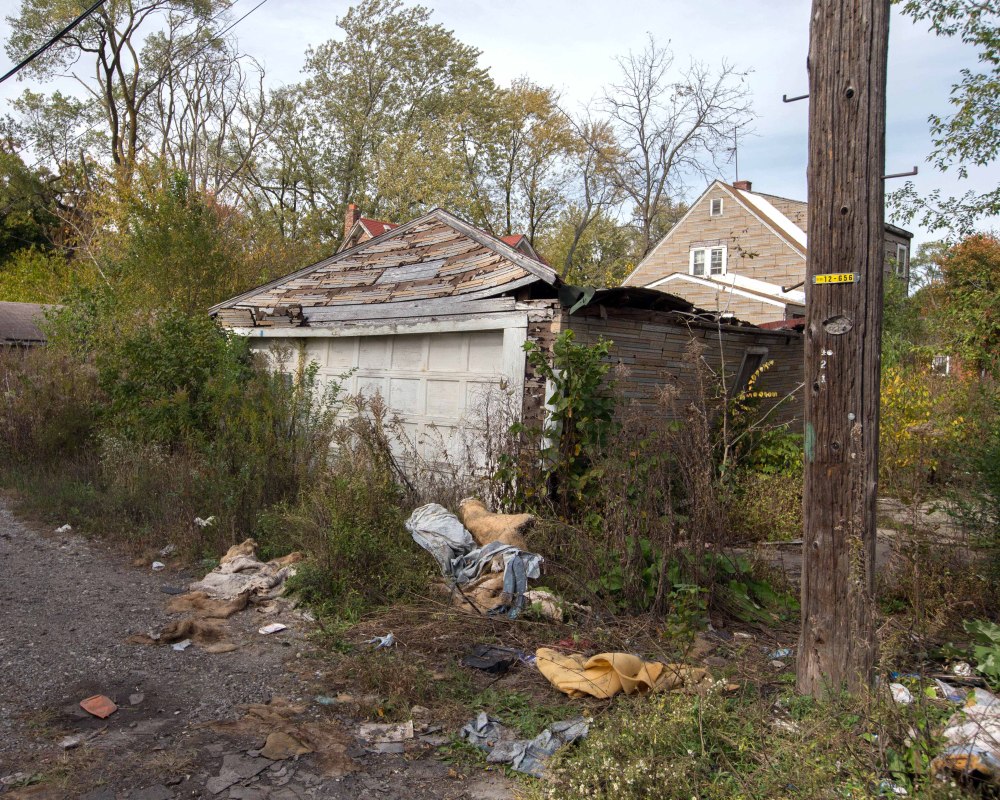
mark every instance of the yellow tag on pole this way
{"type": "Point", "coordinates": [837, 277]}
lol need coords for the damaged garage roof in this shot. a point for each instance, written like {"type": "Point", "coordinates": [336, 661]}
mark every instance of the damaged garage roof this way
{"type": "Point", "coordinates": [434, 257]}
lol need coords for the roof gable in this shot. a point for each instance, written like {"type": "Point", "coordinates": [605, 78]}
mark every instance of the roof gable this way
{"type": "Point", "coordinates": [434, 256]}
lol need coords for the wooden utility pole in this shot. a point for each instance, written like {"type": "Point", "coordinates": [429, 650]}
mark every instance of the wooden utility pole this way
{"type": "Point", "coordinates": [847, 83]}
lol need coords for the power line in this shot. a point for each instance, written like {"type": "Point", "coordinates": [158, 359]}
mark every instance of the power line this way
{"type": "Point", "coordinates": [52, 41]}
{"type": "Point", "coordinates": [173, 68]}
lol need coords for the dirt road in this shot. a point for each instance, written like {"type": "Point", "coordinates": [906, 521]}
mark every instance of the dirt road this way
{"type": "Point", "coordinates": [190, 723]}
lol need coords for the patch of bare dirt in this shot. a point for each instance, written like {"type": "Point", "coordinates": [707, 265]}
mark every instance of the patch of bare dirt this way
{"type": "Point", "coordinates": [190, 723]}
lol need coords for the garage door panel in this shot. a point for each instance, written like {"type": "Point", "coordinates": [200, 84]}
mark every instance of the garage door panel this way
{"type": "Point", "coordinates": [408, 352]}
{"type": "Point", "coordinates": [342, 353]}
{"type": "Point", "coordinates": [373, 352]}
{"type": "Point", "coordinates": [405, 395]}
{"type": "Point", "coordinates": [445, 398]}
{"type": "Point", "coordinates": [448, 352]}
{"type": "Point", "coordinates": [486, 352]}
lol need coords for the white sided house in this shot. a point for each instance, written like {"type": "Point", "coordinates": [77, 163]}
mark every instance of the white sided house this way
{"type": "Point", "coordinates": [743, 253]}
{"type": "Point", "coordinates": [434, 314]}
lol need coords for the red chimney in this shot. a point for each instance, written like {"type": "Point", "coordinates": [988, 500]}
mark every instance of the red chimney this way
{"type": "Point", "coordinates": [744, 185]}
{"type": "Point", "coordinates": [351, 218]}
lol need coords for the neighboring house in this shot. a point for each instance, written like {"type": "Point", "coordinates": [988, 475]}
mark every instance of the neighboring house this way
{"type": "Point", "coordinates": [434, 315]}
{"type": "Point", "coordinates": [743, 253]}
{"type": "Point", "coordinates": [358, 229]}
{"type": "Point", "coordinates": [19, 324]}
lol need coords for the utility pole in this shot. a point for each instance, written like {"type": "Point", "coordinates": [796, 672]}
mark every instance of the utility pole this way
{"type": "Point", "coordinates": [848, 46]}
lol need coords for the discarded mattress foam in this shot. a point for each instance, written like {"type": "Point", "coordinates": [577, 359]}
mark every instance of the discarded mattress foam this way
{"type": "Point", "coordinates": [241, 572]}
{"type": "Point", "coordinates": [972, 739]}
{"type": "Point", "coordinates": [486, 527]}
{"type": "Point", "coordinates": [440, 533]}
{"type": "Point", "coordinates": [524, 755]}
{"type": "Point", "coordinates": [607, 674]}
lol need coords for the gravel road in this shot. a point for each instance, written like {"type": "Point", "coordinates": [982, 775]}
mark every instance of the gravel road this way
{"type": "Point", "coordinates": [70, 604]}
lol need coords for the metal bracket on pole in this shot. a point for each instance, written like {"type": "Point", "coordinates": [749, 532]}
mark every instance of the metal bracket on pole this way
{"type": "Point", "coordinates": [900, 174]}
{"type": "Point", "coordinates": [786, 99]}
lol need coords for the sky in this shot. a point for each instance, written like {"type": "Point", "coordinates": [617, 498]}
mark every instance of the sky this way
{"type": "Point", "coordinates": [571, 45]}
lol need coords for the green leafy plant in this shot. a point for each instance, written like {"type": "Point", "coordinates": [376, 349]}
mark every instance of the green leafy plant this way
{"type": "Point", "coordinates": [985, 648]}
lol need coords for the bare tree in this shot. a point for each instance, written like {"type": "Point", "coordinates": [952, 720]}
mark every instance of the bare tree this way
{"type": "Point", "coordinates": [668, 130]}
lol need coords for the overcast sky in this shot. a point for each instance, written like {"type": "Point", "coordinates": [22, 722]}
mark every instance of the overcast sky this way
{"type": "Point", "coordinates": [572, 44]}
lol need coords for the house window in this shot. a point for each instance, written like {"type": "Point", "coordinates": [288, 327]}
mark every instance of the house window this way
{"type": "Point", "coordinates": [716, 207]}
{"type": "Point", "coordinates": [708, 261]}
{"type": "Point", "coordinates": [941, 365]}
{"type": "Point", "coordinates": [752, 361]}
{"type": "Point", "coordinates": [901, 256]}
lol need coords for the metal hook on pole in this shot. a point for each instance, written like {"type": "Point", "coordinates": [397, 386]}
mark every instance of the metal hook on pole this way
{"type": "Point", "coordinates": [900, 174]}
{"type": "Point", "coordinates": [786, 99]}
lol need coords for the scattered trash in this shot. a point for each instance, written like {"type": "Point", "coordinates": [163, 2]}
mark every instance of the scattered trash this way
{"type": "Point", "coordinates": [486, 527]}
{"type": "Point", "coordinates": [783, 652]}
{"type": "Point", "coordinates": [949, 692]}
{"type": "Point", "coordinates": [742, 635]}
{"type": "Point", "coordinates": [204, 523]}
{"type": "Point", "coordinates": [441, 534]}
{"type": "Point", "coordinates": [64, 528]}
{"type": "Point", "coordinates": [169, 550]}
{"type": "Point", "coordinates": [386, 738]}
{"type": "Point", "coordinates": [323, 700]}
{"type": "Point", "coordinates": [382, 641]}
{"type": "Point", "coordinates": [69, 742]}
{"type": "Point", "coordinates": [158, 565]}
{"type": "Point", "coordinates": [775, 664]}
{"type": "Point", "coordinates": [900, 694]}
{"type": "Point", "coordinates": [208, 635]}
{"type": "Point", "coordinates": [135, 699]}
{"type": "Point", "coordinates": [606, 674]}
{"type": "Point", "coordinates": [888, 788]}
{"type": "Point", "coordinates": [274, 627]}
{"type": "Point", "coordinates": [280, 745]}
{"type": "Point", "coordinates": [206, 607]}
{"type": "Point", "coordinates": [240, 571]}
{"type": "Point", "coordinates": [182, 645]}
{"type": "Point", "coordinates": [99, 705]}
{"type": "Point", "coordinates": [524, 755]}
{"type": "Point", "coordinates": [972, 739]}
{"type": "Point", "coordinates": [491, 658]}
{"type": "Point", "coordinates": [962, 669]}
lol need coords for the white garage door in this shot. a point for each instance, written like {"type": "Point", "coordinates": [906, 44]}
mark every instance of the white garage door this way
{"type": "Point", "coordinates": [435, 382]}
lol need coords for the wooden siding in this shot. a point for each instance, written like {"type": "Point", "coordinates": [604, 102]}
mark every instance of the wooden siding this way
{"type": "Point", "coordinates": [651, 348]}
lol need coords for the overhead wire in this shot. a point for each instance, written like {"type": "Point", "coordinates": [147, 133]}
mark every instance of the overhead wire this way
{"type": "Point", "coordinates": [167, 73]}
{"type": "Point", "coordinates": [55, 39]}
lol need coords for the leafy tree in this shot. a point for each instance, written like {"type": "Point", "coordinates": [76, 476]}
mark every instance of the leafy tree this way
{"type": "Point", "coordinates": [969, 301]}
{"type": "Point", "coordinates": [26, 206]}
{"type": "Point", "coordinates": [969, 136]}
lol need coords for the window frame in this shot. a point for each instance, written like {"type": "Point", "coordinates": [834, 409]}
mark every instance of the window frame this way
{"type": "Point", "coordinates": [711, 206]}
{"type": "Point", "coordinates": [755, 355]}
{"type": "Point", "coordinates": [902, 260]}
{"type": "Point", "coordinates": [706, 252]}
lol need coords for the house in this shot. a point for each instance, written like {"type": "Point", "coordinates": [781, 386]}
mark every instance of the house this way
{"type": "Point", "coordinates": [434, 315]}
{"type": "Point", "coordinates": [19, 324]}
{"type": "Point", "coordinates": [743, 253]}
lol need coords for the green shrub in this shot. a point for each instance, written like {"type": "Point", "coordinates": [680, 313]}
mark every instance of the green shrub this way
{"type": "Point", "coordinates": [762, 506]}
{"type": "Point", "coordinates": [677, 746]}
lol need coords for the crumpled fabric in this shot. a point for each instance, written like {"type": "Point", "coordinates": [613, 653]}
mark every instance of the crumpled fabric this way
{"type": "Point", "coordinates": [607, 674]}
{"type": "Point", "coordinates": [524, 755]}
{"type": "Point", "coordinates": [440, 533]}
{"type": "Point", "coordinates": [972, 739]}
{"type": "Point", "coordinates": [240, 571]}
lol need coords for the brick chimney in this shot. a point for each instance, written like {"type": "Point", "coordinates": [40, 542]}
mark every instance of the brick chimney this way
{"type": "Point", "coordinates": [351, 218]}
{"type": "Point", "coordinates": [744, 185]}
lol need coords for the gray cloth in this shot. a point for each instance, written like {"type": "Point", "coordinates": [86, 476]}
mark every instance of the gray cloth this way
{"type": "Point", "coordinates": [524, 755]}
{"type": "Point", "coordinates": [442, 535]}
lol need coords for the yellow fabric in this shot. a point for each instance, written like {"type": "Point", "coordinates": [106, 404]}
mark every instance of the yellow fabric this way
{"type": "Point", "coordinates": [606, 674]}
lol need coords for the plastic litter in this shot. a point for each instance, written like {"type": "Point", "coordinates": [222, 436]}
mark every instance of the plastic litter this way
{"type": "Point", "coordinates": [524, 755]}
{"type": "Point", "coordinates": [169, 550]}
{"type": "Point", "coordinates": [949, 692]}
{"type": "Point", "coordinates": [158, 565]}
{"type": "Point", "coordinates": [99, 705]}
{"type": "Point", "coordinates": [386, 738]}
{"type": "Point", "coordinates": [64, 528]}
{"type": "Point", "coordinates": [382, 641]}
{"type": "Point", "coordinates": [274, 627]}
{"type": "Point", "coordinates": [181, 646]}
{"type": "Point", "coordinates": [783, 652]}
{"type": "Point", "coordinates": [441, 534]}
{"type": "Point", "coordinates": [887, 788]}
{"type": "Point", "coordinates": [204, 523]}
{"type": "Point", "coordinates": [972, 739]}
{"type": "Point", "coordinates": [962, 669]}
{"type": "Point", "coordinates": [900, 694]}
{"type": "Point", "coordinates": [492, 658]}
